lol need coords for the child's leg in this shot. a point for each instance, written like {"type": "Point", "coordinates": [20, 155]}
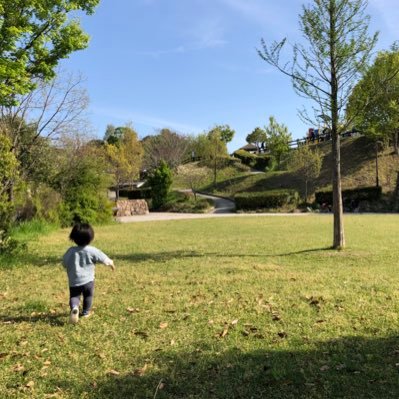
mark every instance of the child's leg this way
{"type": "Point", "coordinates": [88, 293]}
{"type": "Point", "coordinates": [74, 296]}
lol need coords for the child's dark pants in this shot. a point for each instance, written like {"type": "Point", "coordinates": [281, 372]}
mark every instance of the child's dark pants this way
{"type": "Point", "coordinates": [74, 296]}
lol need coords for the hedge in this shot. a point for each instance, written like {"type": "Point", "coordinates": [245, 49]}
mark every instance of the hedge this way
{"type": "Point", "coordinates": [350, 195]}
{"type": "Point", "coordinates": [255, 161]}
{"type": "Point", "coordinates": [265, 199]}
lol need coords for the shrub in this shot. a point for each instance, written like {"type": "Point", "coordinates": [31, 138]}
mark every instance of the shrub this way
{"type": "Point", "coordinates": [266, 200]}
{"type": "Point", "coordinates": [260, 162]}
{"type": "Point", "coordinates": [350, 196]}
{"type": "Point", "coordinates": [160, 181]}
{"type": "Point", "coordinates": [246, 157]}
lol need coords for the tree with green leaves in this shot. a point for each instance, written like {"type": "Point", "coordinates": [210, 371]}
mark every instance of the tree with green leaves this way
{"type": "Point", "coordinates": [124, 158]}
{"type": "Point", "coordinates": [215, 151]}
{"type": "Point", "coordinates": [306, 162]}
{"type": "Point", "coordinates": [225, 132]}
{"type": "Point", "coordinates": [34, 36]}
{"type": "Point", "coordinates": [278, 139]}
{"type": "Point", "coordinates": [257, 137]}
{"type": "Point", "coordinates": [160, 181]}
{"type": "Point", "coordinates": [82, 182]}
{"type": "Point", "coordinates": [374, 103]}
{"type": "Point", "coordinates": [8, 176]}
{"type": "Point", "coordinates": [326, 70]}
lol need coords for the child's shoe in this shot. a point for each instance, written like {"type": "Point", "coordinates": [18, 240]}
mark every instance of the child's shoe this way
{"type": "Point", "coordinates": [86, 314]}
{"type": "Point", "coordinates": [74, 316]}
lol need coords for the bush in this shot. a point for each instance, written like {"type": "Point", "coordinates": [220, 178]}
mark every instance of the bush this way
{"type": "Point", "coordinates": [186, 203]}
{"type": "Point", "coordinates": [246, 157]}
{"type": "Point", "coordinates": [266, 200]}
{"type": "Point", "coordinates": [160, 181]}
{"type": "Point", "coordinates": [350, 196]}
{"type": "Point", "coordinates": [260, 162]}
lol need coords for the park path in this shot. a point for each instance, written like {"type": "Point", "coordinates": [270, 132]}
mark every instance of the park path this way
{"type": "Point", "coordinates": [223, 208]}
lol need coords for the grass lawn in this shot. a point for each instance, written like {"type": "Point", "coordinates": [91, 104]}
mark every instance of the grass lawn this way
{"type": "Point", "coordinates": [253, 307]}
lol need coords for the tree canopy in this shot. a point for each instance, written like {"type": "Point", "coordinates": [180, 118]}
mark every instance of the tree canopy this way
{"type": "Point", "coordinates": [257, 137]}
{"type": "Point", "coordinates": [374, 103]}
{"type": "Point", "coordinates": [34, 36]}
{"type": "Point", "coordinates": [278, 138]}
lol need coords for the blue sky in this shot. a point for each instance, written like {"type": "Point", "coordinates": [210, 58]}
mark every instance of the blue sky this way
{"type": "Point", "coordinates": [190, 64]}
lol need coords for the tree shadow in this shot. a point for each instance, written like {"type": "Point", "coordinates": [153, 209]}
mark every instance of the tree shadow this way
{"type": "Point", "coordinates": [53, 319]}
{"type": "Point", "coordinates": [160, 257]}
{"type": "Point", "coordinates": [347, 367]}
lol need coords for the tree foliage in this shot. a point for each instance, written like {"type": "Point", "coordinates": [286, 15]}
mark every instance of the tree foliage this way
{"type": "Point", "coordinates": [374, 103]}
{"type": "Point", "coordinates": [326, 70]}
{"type": "Point", "coordinates": [193, 177]}
{"type": "Point", "coordinates": [225, 132]}
{"type": "Point", "coordinates": [82, 182]}
{"type": "Point", "coordinates": [167, 146]}
{"type": "Point", "coordinates": [35, 36]}
{"type": "Point", "coordinates": [124, 158]}
{"type": "Point", "coordinates": [306, 161]}
{"type": "Point", "coordinates": [278, 138]}
{"type": "Point", "coordinates": [160, 181]}
{"type": "Point", "coordinates": [257, 137]}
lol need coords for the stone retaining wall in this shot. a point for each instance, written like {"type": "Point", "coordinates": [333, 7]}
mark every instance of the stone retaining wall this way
{"type": "Point", "coordinates": [131, 207]}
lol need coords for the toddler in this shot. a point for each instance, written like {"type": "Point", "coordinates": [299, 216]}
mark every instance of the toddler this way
{"type": "Point", "coordinates": [80, 264]}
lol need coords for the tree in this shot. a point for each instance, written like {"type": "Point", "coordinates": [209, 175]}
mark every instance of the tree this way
{"type": "Point", "coordinates": [278, 139]}
{"type": "Point", "coordinates": [82, 181]}
{"type": "Point", "coordinates": [374, 103]}
{"type": "Point", "coordinates": [160, 181]}
{"type": "Point", "coordinates": [215, 151]}
{"type": "Point", "coordinates": [125, 158]}
{"type": "Point", "coordinates": [35, 36]}
{"type": "Point", "coordinates": [306, 161]}
{"type": "Point", "coordinates": [167, 146]}
{"type": "Point", "coordinates": [225, 131]}
{"type": "Point", "coordinates": [8, 175]}
{"type": "Point", "coordinates": [193, 177]}
{"type": "Point", "coordinates": [54, 108]}
{"type": "Point", "coordinates": [257, 137]}
{"type": "Point", "coordinates": [326, 71]}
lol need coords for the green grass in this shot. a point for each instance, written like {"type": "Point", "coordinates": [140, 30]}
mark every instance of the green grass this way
{"type": "Point", "coordinates": [256, 307]}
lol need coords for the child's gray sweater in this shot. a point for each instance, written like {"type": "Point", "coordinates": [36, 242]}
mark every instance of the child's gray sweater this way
{"type": "Point", "coordinates": [80, 264]}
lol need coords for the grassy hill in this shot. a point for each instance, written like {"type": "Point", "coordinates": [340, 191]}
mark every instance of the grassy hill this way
{"type": "Point", "coordinates": [357, 167]}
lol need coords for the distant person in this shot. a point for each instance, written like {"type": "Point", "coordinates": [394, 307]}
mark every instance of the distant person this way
{"type": "Point", "coordinates": [80, 262]}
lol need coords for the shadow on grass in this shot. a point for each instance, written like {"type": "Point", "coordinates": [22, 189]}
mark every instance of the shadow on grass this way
{"type": "Point", "coordinates": [349, 367]}
{"type": "Point", "coordinates": [166, 256]}
{"type": "Point", "coordinates": [56, 319]}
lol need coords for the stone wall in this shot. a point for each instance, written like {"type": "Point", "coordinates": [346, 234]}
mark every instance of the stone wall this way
{"type": "Point", "coordinates": [131, 207]}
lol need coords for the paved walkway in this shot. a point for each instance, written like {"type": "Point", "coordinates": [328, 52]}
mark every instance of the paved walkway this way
{"type": "Point", "coordinates": [157, 216]}
{"type": "Point", "coordinates": [223, 208]}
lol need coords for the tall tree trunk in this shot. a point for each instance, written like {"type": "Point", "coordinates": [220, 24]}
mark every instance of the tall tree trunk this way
{"type": "Point", "coordinates": [339, 237]}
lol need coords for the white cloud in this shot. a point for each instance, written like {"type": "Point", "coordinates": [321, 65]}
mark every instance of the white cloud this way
{"type": "Point", "coordinates": [159, 53]}
{"type": "Point", "coordinates": [155, 122]}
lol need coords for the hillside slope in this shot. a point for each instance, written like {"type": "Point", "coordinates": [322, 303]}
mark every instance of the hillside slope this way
{"type": "Point", "coordinates": [357, 168]}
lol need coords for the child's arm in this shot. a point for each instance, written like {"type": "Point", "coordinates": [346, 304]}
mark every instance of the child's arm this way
{"type": "Point", "coordinates": [102, 258]}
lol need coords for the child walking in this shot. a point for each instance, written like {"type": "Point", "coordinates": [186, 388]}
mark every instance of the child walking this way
{"type": "Point", "coordinates": [80, 262]}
